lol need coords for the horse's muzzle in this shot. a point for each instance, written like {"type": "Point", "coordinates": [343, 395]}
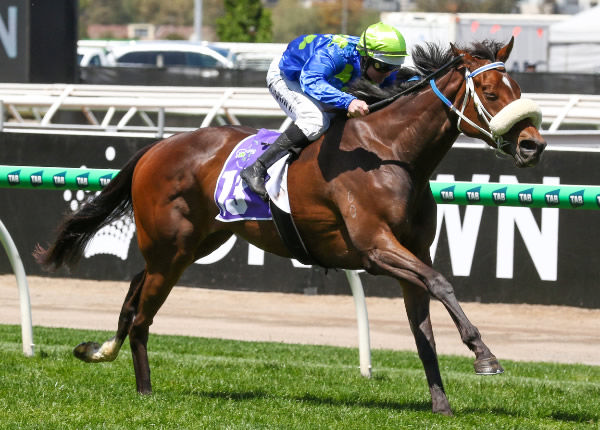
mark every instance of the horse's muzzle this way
{"type": "Point", "coordinates": [529, 151]}
{"type": "Point", "coordinates": [521, 117]}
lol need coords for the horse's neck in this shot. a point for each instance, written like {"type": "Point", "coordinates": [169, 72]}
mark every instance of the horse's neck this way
{"type": "Point", "coordinates": [425, 136]}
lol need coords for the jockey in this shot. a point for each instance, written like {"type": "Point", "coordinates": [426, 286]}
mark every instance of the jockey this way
{"type": "Point", "coordinates": [309, 79]}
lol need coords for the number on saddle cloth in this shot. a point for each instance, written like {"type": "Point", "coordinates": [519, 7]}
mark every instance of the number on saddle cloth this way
{"type": "Point", "coordinates": [234, 199]}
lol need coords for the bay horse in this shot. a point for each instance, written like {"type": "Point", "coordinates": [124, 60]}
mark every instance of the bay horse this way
{"type": "Point", "coordinates": [360, 197]}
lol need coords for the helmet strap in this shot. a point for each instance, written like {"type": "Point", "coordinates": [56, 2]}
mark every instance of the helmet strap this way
{"type": "Point", "coordinates": [365, 62]}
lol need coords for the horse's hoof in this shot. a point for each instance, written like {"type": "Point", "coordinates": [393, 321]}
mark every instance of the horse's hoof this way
{"type": "Point", "coordinates": [82, 351]}
{"type": "Point", "coordinates": [488, 366]}
{"type": "Point", "coordinates": [445, 412]}
{"type": "Point", "coordinates": [439, 401]}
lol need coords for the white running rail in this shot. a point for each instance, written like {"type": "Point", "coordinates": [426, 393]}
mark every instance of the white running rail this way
{"type": "Point", "coordinates": [17, 265]}
{"type": "Point", "coordinates": [112, 108]}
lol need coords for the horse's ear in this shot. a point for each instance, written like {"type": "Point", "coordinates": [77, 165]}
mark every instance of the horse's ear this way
{"type": "Point", "coordinates": [457, 52]}
{"type": "Point", "coordinates": [454, 49]}
{"type": "Point", "coordinates": [504, 52]}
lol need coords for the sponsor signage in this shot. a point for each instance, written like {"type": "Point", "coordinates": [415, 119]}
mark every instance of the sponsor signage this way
{"type": "Point", "coordinates": [447, 194]}
{"type": "Point", "coordinates": [59, 179]}
{"type": "Point", "coordinates": [14, 177]}
{"type": "Point", "coordinates": [474, 195]}
{"type": "Point", "coordinates": [499, 196]}
{"type": "Point", "coordinates": [53, 178]}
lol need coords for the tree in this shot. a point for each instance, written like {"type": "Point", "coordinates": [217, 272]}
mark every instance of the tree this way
{"type": "Point", "coordinates": [176, 12]}
{"type": "Point", "coordinates": [291, 19]}
{"type": "Point", "coordinates": [330, 17]}
{"type": "Point", "coordinates": [172, 12]}
{"type": "Point", "coordinates": [102, 12]}
{"type": "Point", "coordinates": [245, 21]}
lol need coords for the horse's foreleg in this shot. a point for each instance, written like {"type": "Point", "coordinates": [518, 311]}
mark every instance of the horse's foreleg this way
{"type": "Point", "coordinates": [485, 362]}
{"type": "Point", "coordinates": [416, 301]}
{"type": "Point", "coordinates": [92, 352]}
{"type": "Point", "coordinates": [402, 264]}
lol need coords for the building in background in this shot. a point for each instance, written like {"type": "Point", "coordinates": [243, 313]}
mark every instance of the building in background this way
{"type": "Point", "coordinates": [574, 44]}
{"type": "Point", "coordinates": [568, 7]}
{"type": "Point", "coordinates": [531, 32]}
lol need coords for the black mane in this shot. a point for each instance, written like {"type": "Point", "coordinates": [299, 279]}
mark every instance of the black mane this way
{"type": "Point", "coordinates": [426, 58]}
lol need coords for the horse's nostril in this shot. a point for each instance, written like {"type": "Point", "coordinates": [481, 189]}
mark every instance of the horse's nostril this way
{"type": "Point", "coordinates": [528, 145]}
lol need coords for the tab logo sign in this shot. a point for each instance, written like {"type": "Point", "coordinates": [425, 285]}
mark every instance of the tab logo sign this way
{"type": "Point", "coordinates": [105, 180]}
{"type": "Point", "coordinates": [36, 178]}
{"type": "Point", "coordinates": [474, 194]}
{"type": "Point", "coordinates": [82, 180]}
{"type": "Point", "coordinates": [499, 196]}
{"type": "Point", "coordinates": [576, 199]}
{"type": "Point", "coordinates": [14, 178]}
{"type": "Point", "coordinates": [552, 198]}
{"type": "Point", "coordinates": [59, 179]}
{"type": "Point", "coordinates": [526, 197]}
{"type": "Point", "coordinates": [447, 194]}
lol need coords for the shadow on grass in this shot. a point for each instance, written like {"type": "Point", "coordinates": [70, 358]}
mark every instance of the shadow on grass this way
{"type": "Point", "coordinates": [315, 400]}
{"type": "Point", "coordinates": [386, 405]}
{"type": "Point", "coordinates": [576, 418]}
{"type": "Point", "coordinates": [564, 417]}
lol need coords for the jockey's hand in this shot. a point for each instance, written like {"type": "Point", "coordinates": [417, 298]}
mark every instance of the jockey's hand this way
{"type": "Point", "coordinates": [357, 108]}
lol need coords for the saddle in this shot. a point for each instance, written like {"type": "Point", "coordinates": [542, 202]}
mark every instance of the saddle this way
{"type": "Point", "coordinates": [236, 202]}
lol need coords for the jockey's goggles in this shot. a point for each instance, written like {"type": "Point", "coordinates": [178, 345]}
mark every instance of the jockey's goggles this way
{"type": "Point", "coordinates": [384, 67]}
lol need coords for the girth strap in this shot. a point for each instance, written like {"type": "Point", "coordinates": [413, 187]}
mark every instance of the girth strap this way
{"type": "Point", "coordinates": [290, 236]}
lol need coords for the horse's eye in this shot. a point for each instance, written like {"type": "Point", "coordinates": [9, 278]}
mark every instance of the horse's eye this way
{"type": "Point", "coordinates": [490, 96]}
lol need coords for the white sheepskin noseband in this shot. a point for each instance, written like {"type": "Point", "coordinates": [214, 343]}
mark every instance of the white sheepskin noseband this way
{"type": "Point", "coordinates": [514, 112]}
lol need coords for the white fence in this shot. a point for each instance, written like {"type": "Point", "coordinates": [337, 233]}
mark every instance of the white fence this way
{"type": "Point", "coordinates": [112, 108]}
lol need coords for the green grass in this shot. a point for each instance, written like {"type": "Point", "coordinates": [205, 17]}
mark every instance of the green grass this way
{"type": "Point", "coordinates": [220, 384]}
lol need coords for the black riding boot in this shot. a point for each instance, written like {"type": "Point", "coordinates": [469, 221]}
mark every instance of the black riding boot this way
{"type": "Point", "coordinates": [254, 175]}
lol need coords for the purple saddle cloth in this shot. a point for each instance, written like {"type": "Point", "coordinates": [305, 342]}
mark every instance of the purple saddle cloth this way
{"type": "Point", "coordinates": [236, 202]}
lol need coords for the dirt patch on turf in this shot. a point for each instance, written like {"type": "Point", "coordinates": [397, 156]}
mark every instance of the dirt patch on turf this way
{"type": "Point", "coordinates": [517, 332]}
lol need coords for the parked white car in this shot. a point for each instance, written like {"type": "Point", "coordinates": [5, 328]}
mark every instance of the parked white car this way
{"type": "Point", "coordinates": [169, 54]}
{"type": "Point", "coordinates": [88, 56]}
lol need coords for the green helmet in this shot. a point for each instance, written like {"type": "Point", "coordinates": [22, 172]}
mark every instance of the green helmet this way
{"type": "Point", "coordinates": [384, 43]}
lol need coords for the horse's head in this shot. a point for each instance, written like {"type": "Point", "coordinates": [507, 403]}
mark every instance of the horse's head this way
{"type": "Point", "coordinates": [492, 109]}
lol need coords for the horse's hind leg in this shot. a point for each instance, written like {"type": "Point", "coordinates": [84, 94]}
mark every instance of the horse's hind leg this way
{"type": "Point", "coordinates": [92, 352]}
{"type": "Point", "coordinates": [165, 264]}
{"type": "Point", "coordinates": [416, 301]}
{"type": "Point", "coordinates": [157, 286]}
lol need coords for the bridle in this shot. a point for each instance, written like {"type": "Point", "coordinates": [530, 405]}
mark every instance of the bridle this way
{"type": "Point", "coordinates": [498, 124]}
{"type": "Point", "coordinates": [479, 106]}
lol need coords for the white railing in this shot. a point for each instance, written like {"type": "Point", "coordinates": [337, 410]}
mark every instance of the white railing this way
{"type": "Point", "coordinates": [572, 109]}
{"type": "Point", "coordinates": [112, 108]}
{"type": "Point", "coordinates": [25, 304]}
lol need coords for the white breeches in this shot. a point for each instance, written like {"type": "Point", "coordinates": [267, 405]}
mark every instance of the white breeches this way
{"type": "Point", "coordinates": [307, 113]}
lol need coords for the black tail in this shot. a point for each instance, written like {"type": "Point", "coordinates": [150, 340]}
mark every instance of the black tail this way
{"type": "Point", "coordinates": [79, 227]}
